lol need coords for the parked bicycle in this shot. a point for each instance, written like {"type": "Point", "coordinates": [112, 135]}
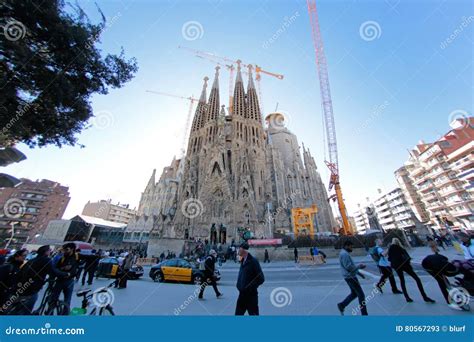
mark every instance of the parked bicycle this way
{"type": "Point", "coordinates": [100, 300]}
{"type": "Point", "coordinates": [48, 307]}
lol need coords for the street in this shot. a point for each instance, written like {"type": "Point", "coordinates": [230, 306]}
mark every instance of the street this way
{"type": "Point", "coordinates": [289, 289]}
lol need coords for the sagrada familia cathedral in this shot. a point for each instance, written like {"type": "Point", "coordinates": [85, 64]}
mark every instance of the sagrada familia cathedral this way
{"type": "Point", "coordinates": [236, 176]}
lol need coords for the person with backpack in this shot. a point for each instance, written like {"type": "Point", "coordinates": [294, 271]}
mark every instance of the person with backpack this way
{"type": "Point", "coordinates": [400, 261]}
{"type": "Point", "coordinates": [467, 245]}
{"type": "Point", "coordinates": [9, 276]}
{"type": "Point", "coordinates": [380, 258]}
{"type": "Point", "coordinates": [249, 279]}
{"type": "Point", "coordinates": [209, 276]}
{"type": "Point", "coordinates": [67, 263]}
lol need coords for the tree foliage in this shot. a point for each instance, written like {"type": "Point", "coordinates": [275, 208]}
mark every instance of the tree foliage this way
{"type": "Point", "coordinates": [50, 66]}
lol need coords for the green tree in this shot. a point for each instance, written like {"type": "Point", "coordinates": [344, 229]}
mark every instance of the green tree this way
{"type": "Point", "coordinates": [49, 68]}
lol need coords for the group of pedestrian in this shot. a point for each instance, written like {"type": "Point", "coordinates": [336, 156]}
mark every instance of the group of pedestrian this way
{"type": "Point", "coordinates": [21, 282]}
{"type": "Point", "coordinates": [397, 260]}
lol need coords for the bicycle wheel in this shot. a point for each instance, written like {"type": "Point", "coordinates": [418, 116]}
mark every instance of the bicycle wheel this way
{"type": "Point", "coordinates": [106, 311]}
{"type": "Point", "coordinates": [59, 308]}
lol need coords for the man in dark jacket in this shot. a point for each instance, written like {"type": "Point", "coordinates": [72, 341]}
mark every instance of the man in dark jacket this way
{"type": "Point", "coordinates": [65, 266]}
{"type": "Point", "coordinates": [9, 277]}
{"type": "Point", "coordinates": [209, 276]}
{"type": "Point", "coordinates": [249, 279]}
{"type": "Point", "coordinates": [90, 266]}
{"type": "Point", "coordinates": [31, 279]}
{"type": "Point", "coordinates": [438, 266]}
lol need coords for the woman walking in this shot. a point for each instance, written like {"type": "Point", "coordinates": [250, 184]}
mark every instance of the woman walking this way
{"type": "Point", "coordinates": [400, 261]}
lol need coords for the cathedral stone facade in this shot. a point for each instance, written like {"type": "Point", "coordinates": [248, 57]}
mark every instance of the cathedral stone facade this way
{"type": "Point", "coordinates": [236, 176]}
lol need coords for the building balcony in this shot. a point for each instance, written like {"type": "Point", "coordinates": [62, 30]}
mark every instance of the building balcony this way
{"type": "Point", "coordinates": [405, 225]}
{"type": "Point", "coordinates": [396, 203]}
{"type": "Point", "coordinates": [450, 191]}
{"type": "Point", "coordinates": [430, 196]}
{"type": "Point", "coordinates": [444, 169]}
{"type": "Point", "coordinates": [464, 212]}
{"type": "Point", "coordinates": [426, 186]}
{"type": "Point", "coordinates": [466, 162]}
{"type": "Point", "coordinates": [467, 175]}
{"type": "Point", "coordinates": [447, 180]}
{"type": "Point", "coordinates": [435, 205]}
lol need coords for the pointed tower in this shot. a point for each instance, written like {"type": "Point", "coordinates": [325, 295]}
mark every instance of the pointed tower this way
{"type": "Point", "coordinates": [201, 108]}
{"type": "Point", "coordinates": [239, 94]}
{"type": "Point", "coordinates": [147, 197]}
{"type": "Point", "coordinates": [253, 106]}
{"type": "Point", "coordinates": [195, 140]}
{"type": "Point", "coordinates": [214, 103]}
{"type": "Point", "coordinates": [213, 106]}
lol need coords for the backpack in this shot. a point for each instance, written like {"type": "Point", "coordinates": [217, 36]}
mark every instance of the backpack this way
{"type": "Point", "coordinates": [374, 253]}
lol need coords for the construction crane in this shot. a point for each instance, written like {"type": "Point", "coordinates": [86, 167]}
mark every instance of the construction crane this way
{"type": "Point", "coordinates": [191, 100]}
{"type": "Point", "coordinates": [229, 64]}
{"type": "Point", "coordinates": [328, 117]}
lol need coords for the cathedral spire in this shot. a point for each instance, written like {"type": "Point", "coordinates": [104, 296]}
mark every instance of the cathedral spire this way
{"type": "Point", "coordinates": [203, 92]}
{"type": "Point", "coordinates": [253, 108]}
{"type": "Point", "coordinates": [213, 104]}
{"type": "Point", "coordinates": [151, 181]}
{"type": "Point", "coordinates": [251, 84]}
{"type": "Point", "coordinates": [201, 108]}
{"type": "Point", "coordinates": [239, 93]}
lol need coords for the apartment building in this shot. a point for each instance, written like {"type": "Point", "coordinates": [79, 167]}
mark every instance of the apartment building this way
{"type": "Point", "coordinates": [442, 172]}
{"type": "Point", "coordinates": [25, 210]}
{"type": "Point", "coordinates": [106, 210]}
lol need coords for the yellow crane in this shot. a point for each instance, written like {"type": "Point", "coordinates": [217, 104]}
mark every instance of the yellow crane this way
{"type": "Point", "coordinates": [303, 220]}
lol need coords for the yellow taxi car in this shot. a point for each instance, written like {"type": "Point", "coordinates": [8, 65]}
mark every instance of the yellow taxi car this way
{"type": "Point", "coordinates": [178, 270]}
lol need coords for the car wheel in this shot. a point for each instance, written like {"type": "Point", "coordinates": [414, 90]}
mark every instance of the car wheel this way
{"type": "Point", "coordinates": [158, 276]}
{"type": "Point", "coordinates": [197, 280]}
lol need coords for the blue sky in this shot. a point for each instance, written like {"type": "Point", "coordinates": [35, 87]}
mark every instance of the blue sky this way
{"type": "Point", "coordinates": [388, 92]}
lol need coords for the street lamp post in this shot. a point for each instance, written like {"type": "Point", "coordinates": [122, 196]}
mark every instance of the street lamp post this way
{"type": "Point", "coordinates": [12, 236]}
